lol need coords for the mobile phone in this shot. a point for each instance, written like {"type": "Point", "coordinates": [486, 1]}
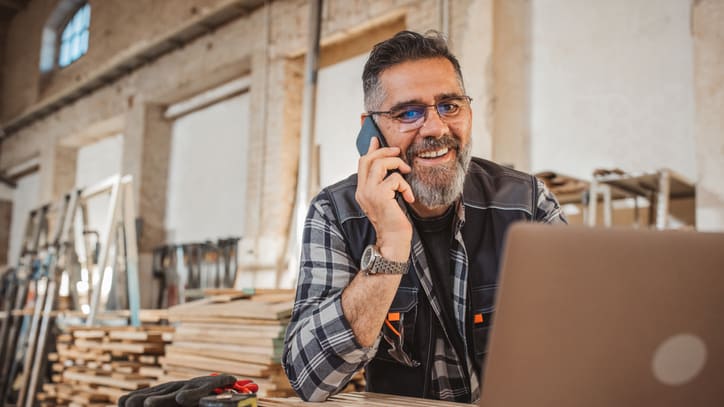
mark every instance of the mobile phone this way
{"type": "Point", "coordinates": [369, 129]}
{"type": "Point", "coordinates": [364, 138]}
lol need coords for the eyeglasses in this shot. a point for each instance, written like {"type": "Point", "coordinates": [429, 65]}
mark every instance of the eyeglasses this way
{"type": "Point", "coordinates": [412, 116]}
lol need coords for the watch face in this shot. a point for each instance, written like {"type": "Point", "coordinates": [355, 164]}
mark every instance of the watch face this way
{"type": "Point", "coordinates": [366, 261]}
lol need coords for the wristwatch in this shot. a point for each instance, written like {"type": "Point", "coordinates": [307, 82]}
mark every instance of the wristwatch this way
{"type": "Point", "coordinates": [373, 263]}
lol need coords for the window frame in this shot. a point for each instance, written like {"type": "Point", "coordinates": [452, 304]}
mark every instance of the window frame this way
{"type": "Point", "coordinates": [76, 33]}
{"type": "Point", "coordinates": [53, 29]}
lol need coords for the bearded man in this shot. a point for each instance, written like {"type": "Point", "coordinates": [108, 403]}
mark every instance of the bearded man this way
{"type": "Point", "coordinates": [399, 263]}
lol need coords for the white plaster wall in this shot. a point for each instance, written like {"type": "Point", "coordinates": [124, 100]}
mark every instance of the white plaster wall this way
{"type": "Point", "coordinates": [95, 163]}
{"type": "Point", "coordinates": [474, 49]}
{"type": "Point", "coordinates": [6, 192]}
{"type": "Point", "coordinates": [708, 32]}
{"type": "Point", "coordinates": [340, 101]}
{"type": "Point", "coordinates": [207, 173]}
{"type": "Point", "coordinates": [25, 199]}
{"type": "Point", "coordinates": [612, 86]}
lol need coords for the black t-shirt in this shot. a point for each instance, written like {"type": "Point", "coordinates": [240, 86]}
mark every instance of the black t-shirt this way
{"type": "Point", "coordinates": [437, 235]}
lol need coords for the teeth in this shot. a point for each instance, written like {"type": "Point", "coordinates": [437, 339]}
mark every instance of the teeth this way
{"type": "Point", "coordinates": [433, 154]}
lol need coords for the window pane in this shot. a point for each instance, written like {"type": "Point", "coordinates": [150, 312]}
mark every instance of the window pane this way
{"type": "Point", "coordinates": [66, 33]}
{"type": "Point", "coordinates": [78, 22]}
{"type": "Point", "coordinates": [84, 42]}
{"type": "Point", "coordinates": [86, 16]}
{"type": "Point", "coordinates": [63, 54]}
{"type": "Point", "coordinates": [74, 40]}
{"type": "Point", "coordinates": [74, 48]}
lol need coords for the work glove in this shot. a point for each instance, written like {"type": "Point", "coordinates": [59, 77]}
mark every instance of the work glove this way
{"type": "Point", "coordinates": [173, 394]}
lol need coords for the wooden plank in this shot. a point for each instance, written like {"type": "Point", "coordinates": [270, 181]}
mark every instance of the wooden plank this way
{"type": "Point", "coordinates": [151, 371]}
{"type": "Point", "coordinates": [274, 297]}
{"type": "Point", "coordinates": [128, 376]}
{"type": "Point", "coordinates": [231, 330]}
{"type": "Point", "coordinates": [225, 320]}
{"type": "Point", "coordinates": [241, 309]}
{"type": "Point", "coordinates": [230, 352]}
{"type": "Point", "coordinates": [274, 345]}
{"type": "Point", "coordinates": [216, 365]}
{"type": "Point", "coordinates": [112, 393]}
{"type": "Point", "coordinates": [143, 336]}
{"type": "Point", "coordinates": [125, 365]}
{"type": "Point", "coordinates": [120, 348]}
{"type": "Point", "coordinates": [148, 359]}
{"type": "Point", "coordinates": [89, 334]}
{"type": "Point", "coordinates": [267, 328]}
{"type": "Point", "coordinates": [107, 381]}
{"type": "Point", "coordinates": [268, 351]}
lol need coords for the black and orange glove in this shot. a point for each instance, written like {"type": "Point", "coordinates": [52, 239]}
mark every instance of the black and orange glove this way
{"type": "Point", "coordinates": [173, 394]}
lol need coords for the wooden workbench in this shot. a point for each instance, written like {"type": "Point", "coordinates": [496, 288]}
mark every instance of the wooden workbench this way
{"type": "Point", "coordinates": [359, 399]}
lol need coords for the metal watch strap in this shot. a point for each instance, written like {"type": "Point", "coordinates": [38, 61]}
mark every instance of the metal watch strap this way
{"type": "Point", "coordinates": [384, 266]}
{"type": "Point", "coordinates": [380, 265]}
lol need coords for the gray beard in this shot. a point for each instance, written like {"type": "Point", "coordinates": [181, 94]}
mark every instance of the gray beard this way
{"type": "Point", "coordinates": [436, 187]}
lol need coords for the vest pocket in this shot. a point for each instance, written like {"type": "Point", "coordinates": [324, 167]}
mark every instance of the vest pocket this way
{"type": "Point", "coordinates": [398, 331]}
{"type": "Point", "coordinates": [483, 306]}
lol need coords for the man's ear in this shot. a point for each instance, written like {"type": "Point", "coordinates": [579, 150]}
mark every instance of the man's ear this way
{"type": "Point", "coordinates": [362, 118]}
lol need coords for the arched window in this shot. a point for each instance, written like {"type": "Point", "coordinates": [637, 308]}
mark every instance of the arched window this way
{"type": "Point", "coordinates": [74, 40]}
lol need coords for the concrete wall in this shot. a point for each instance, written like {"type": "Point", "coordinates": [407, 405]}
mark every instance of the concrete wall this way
{"type": "Point", "coordinates": [708, 32]}
{"type": "Point", "coordinates": [611, 86]}
{"type": "Point", "coordinates": [96, 162]}
{"type": "Point", "coordinates": [25, 199]}
{"type": "Point", "coordinates": [336, 117]}
{"type": "Point", "coordinates": [207, 173]}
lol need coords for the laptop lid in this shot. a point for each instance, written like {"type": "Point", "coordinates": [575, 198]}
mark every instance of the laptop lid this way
{"type": "Point", "coordinates": [608, 317]}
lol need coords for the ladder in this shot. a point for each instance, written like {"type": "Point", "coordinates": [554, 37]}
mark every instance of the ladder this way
{"type": "Point", "coordinates": [35, 285]}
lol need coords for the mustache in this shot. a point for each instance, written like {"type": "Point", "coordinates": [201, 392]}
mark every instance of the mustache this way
{"type": "Point", "coordinates": [432, 143]}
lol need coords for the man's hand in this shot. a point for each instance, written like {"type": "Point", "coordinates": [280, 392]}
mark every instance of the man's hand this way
{"type": "Point", "coordinates": [376, 196]}
{"type": "Point", "coordinates": [367, 299]}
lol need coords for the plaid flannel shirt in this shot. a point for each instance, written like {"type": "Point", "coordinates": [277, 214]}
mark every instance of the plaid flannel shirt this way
{"type": "Point", "coordinates": [321, 353]}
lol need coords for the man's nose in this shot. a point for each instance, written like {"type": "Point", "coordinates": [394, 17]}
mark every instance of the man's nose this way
{"type": "Point", "coordinates": [433, 125]}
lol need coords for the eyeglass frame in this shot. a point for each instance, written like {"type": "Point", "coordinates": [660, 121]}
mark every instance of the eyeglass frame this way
{"type": "Point", "coordinates": [414, 124]}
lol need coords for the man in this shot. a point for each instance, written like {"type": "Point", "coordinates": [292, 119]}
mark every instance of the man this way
{"type": "Point", "coordinates": [405, 289]}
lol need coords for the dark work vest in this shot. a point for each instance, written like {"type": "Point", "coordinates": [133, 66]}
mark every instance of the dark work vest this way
{"type": "Point", "coordinates": [494, 197]}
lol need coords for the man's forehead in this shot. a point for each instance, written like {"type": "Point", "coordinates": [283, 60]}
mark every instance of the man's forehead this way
{"type": "Point", "coordinates": [422, 80]}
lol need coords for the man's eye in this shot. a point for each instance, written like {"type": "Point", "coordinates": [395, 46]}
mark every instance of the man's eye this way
{"type": "Point", "coordinates": [448, 107]}
{"type": "Point", "coordinates": [410, 114]}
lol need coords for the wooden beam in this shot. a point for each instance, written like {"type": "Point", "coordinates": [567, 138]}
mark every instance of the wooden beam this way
{"type": "Point", "coordinates": [16, 5]}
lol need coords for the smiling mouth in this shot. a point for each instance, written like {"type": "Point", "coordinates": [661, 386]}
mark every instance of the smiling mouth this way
{"type": "Point", "coordinates": [434, 154]}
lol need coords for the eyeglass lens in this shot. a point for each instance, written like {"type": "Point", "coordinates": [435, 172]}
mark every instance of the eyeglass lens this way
{"type": "Point", "coordinates": [412, 117]}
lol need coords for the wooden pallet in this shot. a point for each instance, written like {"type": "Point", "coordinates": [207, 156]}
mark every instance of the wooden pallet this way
{"type": "Point", "coordinates": [96, 366]}
{"type": "Point", "coordinates": [232, 332]}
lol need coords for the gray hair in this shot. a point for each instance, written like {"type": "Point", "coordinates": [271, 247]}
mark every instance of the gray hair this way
{"type": "Point", "coordinates": [404, 46]}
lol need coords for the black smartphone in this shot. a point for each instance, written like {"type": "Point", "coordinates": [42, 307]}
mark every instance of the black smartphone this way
{"type": "Point", "coordinates": [369, 129]}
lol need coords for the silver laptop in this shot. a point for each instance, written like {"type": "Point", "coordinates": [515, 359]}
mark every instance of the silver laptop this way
{"type": "Point", "coordinates": [608, 317]}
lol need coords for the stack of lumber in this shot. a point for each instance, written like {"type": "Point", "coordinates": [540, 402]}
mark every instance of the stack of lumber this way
{"type": "Point", "coordinates": [96, 365]}
{"type": "Point", "coordinates": [237, 332]}
{"type": "Point", "coordinates": [360, 399]}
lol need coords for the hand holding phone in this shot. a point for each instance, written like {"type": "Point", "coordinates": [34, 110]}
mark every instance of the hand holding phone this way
{"type": "Point", "coordinates": [369, 129]}
{"type": "Point", "coordinates": [390, 220]}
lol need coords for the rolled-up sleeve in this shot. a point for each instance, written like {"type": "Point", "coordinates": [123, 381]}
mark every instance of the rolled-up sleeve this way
{"type": "Point", "coordinates": [321, 353]}
{"type": "Point", "coordinates": [549, 210]}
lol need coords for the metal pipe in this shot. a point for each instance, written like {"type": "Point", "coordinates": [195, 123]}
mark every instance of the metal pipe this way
{"type": "Point", "coordinates": [306, 139]}
{"type": "Point", "coordinates": [445, 17]}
